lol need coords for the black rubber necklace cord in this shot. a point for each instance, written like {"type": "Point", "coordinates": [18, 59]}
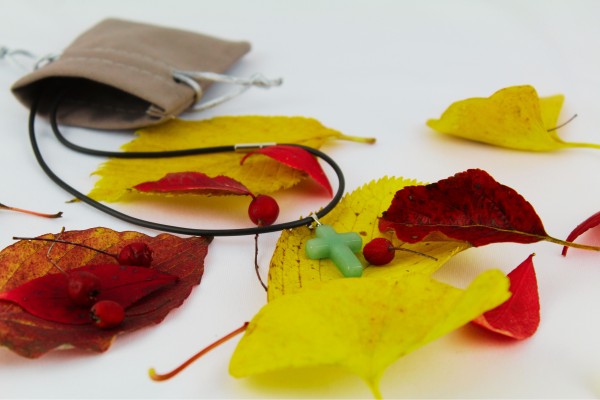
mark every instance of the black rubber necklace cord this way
{"type": "Point", "coordinates": [163, 154]}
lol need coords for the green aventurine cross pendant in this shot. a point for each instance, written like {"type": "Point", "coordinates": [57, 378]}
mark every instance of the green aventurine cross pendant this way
{"type": "Point", "coordinates": [339, 247]}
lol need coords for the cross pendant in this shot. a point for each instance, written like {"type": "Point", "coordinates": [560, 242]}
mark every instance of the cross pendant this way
{"type": "Point", "coordinates": [339, 247]}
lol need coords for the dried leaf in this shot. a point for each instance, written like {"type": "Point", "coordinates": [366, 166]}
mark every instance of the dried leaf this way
{"type": "Point", "coordinates": [360, 324]}
{"type": "Point", "coordinates": [290, 269]}
{"type": "Point", "coordinates": [260, 174]}
{"type": "Point", "coordinates": [514, 117]}
{"type": "Point", "coordinates": [469, 206]}
{"type": "Point", "coordinates": [590, 223]}
{"type": "Point", "coordinates": [297, 158]}
{"type": "Point", "coordinates": [31, 336]}
{"type": "Point", "coordinates": [519, 316]}
{"type": "Point", "coordinates": [194, 182]}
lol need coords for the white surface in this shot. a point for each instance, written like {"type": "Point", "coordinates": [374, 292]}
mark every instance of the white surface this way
{"type": "Point", "coordinates": [379, 68]}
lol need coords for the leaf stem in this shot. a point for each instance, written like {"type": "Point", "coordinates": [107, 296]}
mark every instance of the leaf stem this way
{"type": "Point", "coordinates": [571, 244]}
{"type": "Point", "coordinates": [38, 214]}
{"type": "Point", "coordinates": [537, 237]}
{"type": "Point", "coordinates": [374, 386]}
{"type": "Point", "coordinates": [65, 242]}
{"type": "Point", "coordinates": [163, 377]}
{"type": "Point", "coordinates": [588, 145]}
{"type": "Point", "coordinates": [358, 139]}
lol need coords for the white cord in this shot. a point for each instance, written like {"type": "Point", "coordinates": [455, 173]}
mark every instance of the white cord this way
{"type": "Point", "coordinates": [190, 79]}
{"type": "Point", "coordinates": [35, 61]}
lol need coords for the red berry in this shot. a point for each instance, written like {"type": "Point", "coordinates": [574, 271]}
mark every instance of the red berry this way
{"type": "Point", "coordinates": [137, 254]}
{"type": "Point", "coordinates": [83, 287]}
{"type": "Point", "coordinates": [379, 251]}
{"type": "Point", "coordinates": [107, 314]}
{"type": "Point", "coordinates": [263, 210]}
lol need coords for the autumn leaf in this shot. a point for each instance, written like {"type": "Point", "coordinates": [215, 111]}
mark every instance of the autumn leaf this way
{"type": "Point", "coordinates": [297, 158]}
{"type": "Point", "coordinates": [47, 297]}
{"type": "Point", "coordinates": [589, 223]}
{"type": "Point", "coordinates": [362, 325]}
{"type": "Point", "coordinates": [259, 174]}
{"type": "Point", "coordinates": [31, 336]}
{"type": "Point", "coordinates": [290, 270]}
{"type": "Point", "coordinates": [514, 117]}
{"type": "Point", "coordinates": [519, 316]}
{"type": "Point", "coordinates": [194, 182]}
{"type": "Point", "coordinates": [469, 206]}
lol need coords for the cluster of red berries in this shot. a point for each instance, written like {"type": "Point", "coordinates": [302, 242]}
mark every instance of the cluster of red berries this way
{"type": "Point", "coordinates": [84, 287]}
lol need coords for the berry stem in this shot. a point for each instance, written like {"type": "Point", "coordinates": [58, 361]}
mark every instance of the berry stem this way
{"type": "Point", "coordinates": [256, 266]}
{"type": "Point", "coordinates": [414, 252]}
{"type": "Point", "coordinates": [65, 242]}
{"type": "Point", "coordinates": [56, 215]}
{"type": "Point", "coordinates": [163, 377]}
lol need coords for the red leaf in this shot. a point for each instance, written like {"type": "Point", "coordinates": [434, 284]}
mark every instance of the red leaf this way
{"type": "Point", "coordinates": [46, 297]}
{"type": "Point", "coordinates": [31, 336]}
{"type": "Point", "coordinates": [469, 206]}
{"type": "Point", "coordinates": [297, 158]}
{"type": "Point", "coordinates": [196, 183]}
{"type": "Point", "coordinates": [591, 222]}
{"type": "Point", "coordinates": [519, 316]}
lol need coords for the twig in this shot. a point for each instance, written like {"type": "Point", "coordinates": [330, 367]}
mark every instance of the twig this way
{"type": "Point", "coordinates": [55, 215]}
{"type": "Point", "coordinates": [256, 266]}
{"type": "Point", "coordinates": [163, 377]}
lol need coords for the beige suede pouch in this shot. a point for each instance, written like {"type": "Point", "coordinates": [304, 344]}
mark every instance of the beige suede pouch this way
{"type": "Point", "coordinates": [119, 75]}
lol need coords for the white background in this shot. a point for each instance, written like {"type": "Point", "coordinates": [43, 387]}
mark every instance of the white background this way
{"type": "Point", "coordinates": [376, 68]}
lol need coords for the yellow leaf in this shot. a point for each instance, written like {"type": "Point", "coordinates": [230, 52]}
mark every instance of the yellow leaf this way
{"type": "Point", "coordinates": [514, 117]}
{"type": "Point", "coordinates": [290, 270]}
{"type": "Point", "coordinates": [362, 325]}
{"type": "Point", "coordinates": [259, 174]}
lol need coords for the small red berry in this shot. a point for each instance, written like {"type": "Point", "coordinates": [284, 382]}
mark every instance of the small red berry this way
{"type": "Point", "coordinates": [83, 287]}
{"type": "Point", "coordinates": [379, 251]}
{"type": "Point", "coordinates": [263, 210]}
{"type": "Point", "coordinates": [137, 254]}
{"type": "Point", "coordinates": [107, 314]}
